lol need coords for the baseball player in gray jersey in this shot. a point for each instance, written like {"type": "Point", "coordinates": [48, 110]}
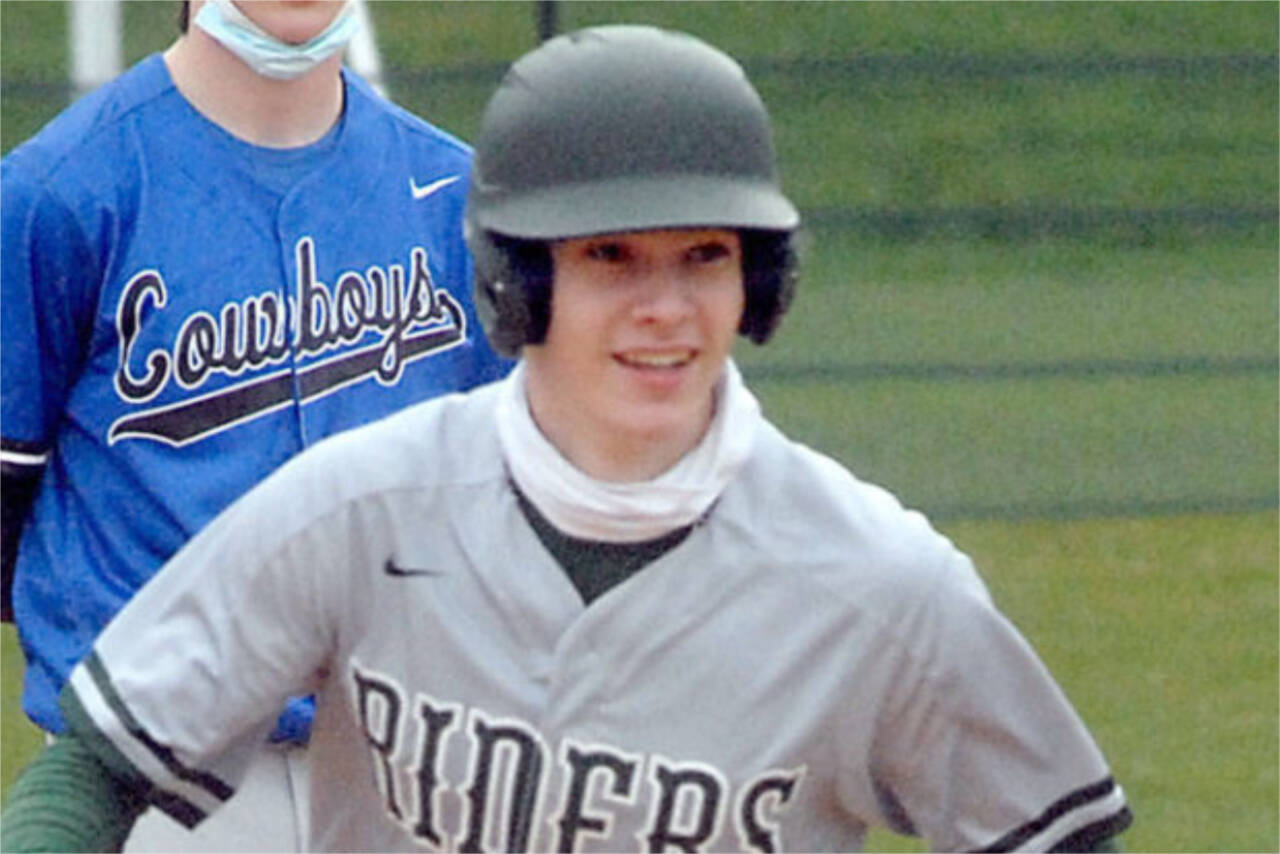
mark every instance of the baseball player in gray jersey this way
{"type": "Point", "coordinates": [602, 604]}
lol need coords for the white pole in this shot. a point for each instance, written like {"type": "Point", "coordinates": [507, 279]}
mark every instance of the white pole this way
{"type": "Point", "coordinates": [362, 52]}
{"type": "Point", "coordinates": [96, 43]}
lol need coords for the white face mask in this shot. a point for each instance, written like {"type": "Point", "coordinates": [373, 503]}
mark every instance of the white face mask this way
{"type": "Point", "coordinates": [265, 53]}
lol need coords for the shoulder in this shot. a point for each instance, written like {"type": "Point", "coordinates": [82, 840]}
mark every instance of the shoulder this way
{"type": "Point", "coordinates": [843, 534]}
{"type": "Point", "coordinates": [392, 119]}
{"type": "Point", "coordinates": [85, 136]}
{"type": "Point", "coordinates": [802, 493]}
{"type": "Point", "coordinates": [426, 452]}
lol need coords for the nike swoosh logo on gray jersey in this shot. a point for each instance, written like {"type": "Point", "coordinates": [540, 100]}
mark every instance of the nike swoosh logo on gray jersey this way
{"type": "Point", "coordinates": [390, 568]}
{"type": "Point", "coordinates": [427, 189]}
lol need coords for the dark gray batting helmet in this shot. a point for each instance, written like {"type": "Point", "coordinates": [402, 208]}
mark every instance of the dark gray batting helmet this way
{"type": "Point", "coordinates": [622, 128]}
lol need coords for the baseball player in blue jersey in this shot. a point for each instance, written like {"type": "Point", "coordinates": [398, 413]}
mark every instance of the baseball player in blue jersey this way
{"type": "Point", "coordinates": [601, 604]}
{"type": "Point", "coordinates": [232, 251]}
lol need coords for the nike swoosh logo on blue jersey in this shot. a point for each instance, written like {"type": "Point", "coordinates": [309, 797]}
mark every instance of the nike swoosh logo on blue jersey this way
{"type": "Point", "coordinates": [427, 189]}
{"type": "Point", "coordinates": [391, 569]}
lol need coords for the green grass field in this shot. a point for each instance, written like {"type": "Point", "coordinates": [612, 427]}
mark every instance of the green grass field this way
{"type": "Point", "coordinates": [1091, 410]}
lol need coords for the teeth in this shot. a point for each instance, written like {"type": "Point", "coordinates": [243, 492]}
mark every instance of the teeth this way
{"type": "Point", "coordinates": [657, 360]}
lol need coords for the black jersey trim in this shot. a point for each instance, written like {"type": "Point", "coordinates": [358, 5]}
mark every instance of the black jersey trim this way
{"type": "Point", "coordinates": [1073, 801]}
{"type": "Point", "coordinates": [210, 783]}
{"type": "Point", "coordinates": [177, 807]}
{"type": "Point", "coordinates": [22, 446]}
{"type": "Point", "coordinates": [21, 458]}
{"type": "Point", "coordinates": [1089, 837]}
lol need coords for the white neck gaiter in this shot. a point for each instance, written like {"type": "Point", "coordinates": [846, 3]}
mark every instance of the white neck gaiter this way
{"type": "Point", "coordinates": [587, 508]}
{"type": "Point", "coordinates": [265, 53]}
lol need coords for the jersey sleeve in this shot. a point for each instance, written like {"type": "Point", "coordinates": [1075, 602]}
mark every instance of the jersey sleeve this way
{"type": "Point", "coordinates": [186, 681]}
{"type": "Point", "coordinates": [47, 286]}
{"type": "Point", "coordinates": [49, 289]}
{"type": "Point", "coordinates": [979, 747]}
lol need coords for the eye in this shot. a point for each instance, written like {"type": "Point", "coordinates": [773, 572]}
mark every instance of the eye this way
{"type": "Point", "coordinates": [606, 251]}
{"type": "Point", "coordinates": [708, 253]}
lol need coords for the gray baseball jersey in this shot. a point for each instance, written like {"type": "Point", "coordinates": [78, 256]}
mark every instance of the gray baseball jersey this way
{"type": "Point", "coordinates": [810, 661]}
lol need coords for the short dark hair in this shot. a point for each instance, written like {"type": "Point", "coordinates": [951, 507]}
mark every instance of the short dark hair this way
{"type": "Point", "coordinates": [184, 16]}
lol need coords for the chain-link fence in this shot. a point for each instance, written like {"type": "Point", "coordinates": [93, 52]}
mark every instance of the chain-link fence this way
{"type": "Point", "coordinates": [1040, 239]}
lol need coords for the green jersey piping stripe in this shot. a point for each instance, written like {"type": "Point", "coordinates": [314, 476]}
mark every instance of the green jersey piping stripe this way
{"type": "Point", "coordinates": [81, 722]}
{"type": "Point", "coordinates": [1075, 800]}
{"type": "Point", "coordinates": [118, 764]}
{"type": "Point", "coordinates": [202, 779]}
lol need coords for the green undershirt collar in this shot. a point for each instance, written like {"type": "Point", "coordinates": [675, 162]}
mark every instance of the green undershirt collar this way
{"type": "Point", "coordinates": [596, 567]}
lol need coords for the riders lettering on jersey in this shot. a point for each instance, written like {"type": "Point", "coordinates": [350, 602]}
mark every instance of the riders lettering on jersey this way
{"type": "Point", "coordinates": [412, 317]}
{"type": "Point", "coordinates": [512, 797]}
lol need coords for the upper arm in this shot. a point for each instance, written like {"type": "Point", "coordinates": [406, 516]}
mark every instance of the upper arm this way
{"type": "Point", "coordinates": [983, 749]}
{"type": "Point", "coordinates": [241, 618]}
{"type": "Point", "coordinates": [49, 286]}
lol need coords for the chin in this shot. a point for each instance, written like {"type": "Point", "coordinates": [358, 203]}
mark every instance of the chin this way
{"type": "Point", "coordinates": [295, 21]}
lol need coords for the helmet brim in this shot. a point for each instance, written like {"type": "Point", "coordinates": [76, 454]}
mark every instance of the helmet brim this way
{"type": "Point", "coordinates": [634, 203]}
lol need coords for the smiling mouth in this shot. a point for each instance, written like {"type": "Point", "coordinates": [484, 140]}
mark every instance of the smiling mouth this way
{"type": "Point", "coordinates": [656, 359]}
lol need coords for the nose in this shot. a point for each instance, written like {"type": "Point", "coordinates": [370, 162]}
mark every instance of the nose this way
{"type": "Point", "coordinates": [663, 298]}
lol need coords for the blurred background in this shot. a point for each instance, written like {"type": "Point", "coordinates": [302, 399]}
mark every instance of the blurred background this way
{"type": "Point", "coordinates": [1039, 301]}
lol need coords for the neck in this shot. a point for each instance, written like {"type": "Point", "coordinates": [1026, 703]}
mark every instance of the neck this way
{"type": "Point", "coordinates": [256, 109]}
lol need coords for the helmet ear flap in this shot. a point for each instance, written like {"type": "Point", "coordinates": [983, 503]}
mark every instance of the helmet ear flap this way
{"type": "Point", "coordinates": [769, 274]}
{"type": "Point", "coordinates": [512, 289]}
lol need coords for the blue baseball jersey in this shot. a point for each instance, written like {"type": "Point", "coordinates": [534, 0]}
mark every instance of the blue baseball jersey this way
{"type": "Point", "coordinates": [184, 311]}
